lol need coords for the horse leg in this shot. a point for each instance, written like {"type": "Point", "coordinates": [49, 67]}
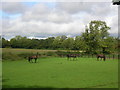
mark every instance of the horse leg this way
{"type": "Point", "coordinates": [35, 60]}
{"type": "Point", "coordinates": [67, 58]}
{"type": "Point", "coordinates": [104, 58]}
{"type": "Point", "coordinates": [76, 58]}
{"type": "Point", "coordinates": [31, 61]}
{"type": "Point", "coordinates": [73, 58]}
{"type": "Point", "coordinates": [97, 58]}
{"type": "Point", "coordinates": [28, 59]}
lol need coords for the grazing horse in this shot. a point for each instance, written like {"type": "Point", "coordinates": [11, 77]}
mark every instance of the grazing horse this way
{"type": "Point", "coordinates": [101, 56]}
{"type": "Point", "coordinates": [71, 56]}
{"type": "Point", "coordinates": [32, 57]}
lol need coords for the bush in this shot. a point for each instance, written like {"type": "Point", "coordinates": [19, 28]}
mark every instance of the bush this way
{"type": "Point", "coordinates": [10, 56]}
{"type": "Point", "coordinates": [25, 55]}
{"type": "Point", "coordinates": [50, 54]}
{"type": "Point", "coordinates": [13, 56]}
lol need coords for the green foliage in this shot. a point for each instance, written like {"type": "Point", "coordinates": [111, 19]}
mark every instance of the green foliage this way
{"type": "Point", "coordinates": [25, 55]}
{"type": "Point", "coordinates": [18, 54]}
{"type": "Point", "coordinates": [10, 56]}
{"type": "Point", "coordinates": [4, 43]}
{"type": "Point", "coordinates": [68, 43]}
{"type": "Point", "coordinates": [79, 43]}
{"type": "Point", "coordinates": [95, 35]}
{"type": "Point", "coordinates": [15, 56]}
{"type": "Point", "coordinates": [50, 54]}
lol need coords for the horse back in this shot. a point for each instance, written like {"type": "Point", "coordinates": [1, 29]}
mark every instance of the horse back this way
{"type": "Point", "coordinates": [101, 55]}
{"type": "Point", "coordinates": [32, 57]}
{"type": "Point", "coordinates": [71, 55]}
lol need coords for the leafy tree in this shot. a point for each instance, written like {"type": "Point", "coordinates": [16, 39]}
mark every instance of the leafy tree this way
{"type": "Point", "coordinates": [5, 43]}
{"type": "Point", "coordinates": [68, 43]}
{"type": "Point", "coordinates": [19, 42]}
{"type": "Point", "coordinates": [48, 42]}
{"type": "Point", "coordinates": [79, 43]}
{"type": "Point", "coordinates": [110, 45]}
{"type": "Point", "coordinates": [56, 43]}
{"type": "Point", "coordinates": [94, 35]}
{"type": "Point", "coordinates": [63, 37]}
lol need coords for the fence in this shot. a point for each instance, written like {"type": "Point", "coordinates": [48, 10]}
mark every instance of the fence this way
{"type": "Point", "coordinates": [84, 55]}
{"type": "Point", "coordinates": [109, 56]}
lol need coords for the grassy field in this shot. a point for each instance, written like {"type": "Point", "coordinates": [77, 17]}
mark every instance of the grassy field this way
{"type": "Point", "coordinates": [56, 72]}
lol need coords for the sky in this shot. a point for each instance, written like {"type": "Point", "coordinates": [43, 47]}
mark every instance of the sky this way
{"type": "Point", "coordinates": [46, 19]}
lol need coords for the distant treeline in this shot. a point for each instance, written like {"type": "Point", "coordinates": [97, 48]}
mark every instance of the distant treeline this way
{"type": "Point", "coordinates": [95, 39]}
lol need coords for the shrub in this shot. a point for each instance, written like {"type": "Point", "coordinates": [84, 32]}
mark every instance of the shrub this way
{"type": "Point", "coordinates": [25, 55]}
{"type": "Point", "coordinates": [10, 56]}
{"type": "Point", "coordinates": [50, 54]}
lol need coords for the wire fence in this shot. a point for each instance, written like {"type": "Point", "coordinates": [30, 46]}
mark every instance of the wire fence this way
{"type": "Point", "coordinates": [108, 56]}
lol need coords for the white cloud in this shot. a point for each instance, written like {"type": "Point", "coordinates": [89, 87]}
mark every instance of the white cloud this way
{"type": "Point", "coordinates": [74, 7]}
{"type": "Point", "coordinates": [113, 23]}
{"type": "Point", "coordinates": [13, 7]}
{"type": "Point", "coordinates": [65, 18]}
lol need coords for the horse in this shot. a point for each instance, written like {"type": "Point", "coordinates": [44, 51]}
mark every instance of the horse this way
{"type": "Point", "coordinates": [101, 56]}
{"type": "Point", "coordinates": [71, 56]}
{"type": "Point", "coordinates": [32, 57]}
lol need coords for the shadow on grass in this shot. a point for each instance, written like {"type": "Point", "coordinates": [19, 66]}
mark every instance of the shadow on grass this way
{"type": "Point", "coordinates": [5, 80]}
{"type": "Point", "coordinates": [22, 87]}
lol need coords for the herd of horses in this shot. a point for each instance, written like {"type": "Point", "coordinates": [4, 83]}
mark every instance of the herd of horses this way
{"type": "Point", "coordinates": [69, 56]}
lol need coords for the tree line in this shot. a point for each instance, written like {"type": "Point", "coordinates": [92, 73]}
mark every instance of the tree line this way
{"type": "Point", "coordinates": [95, 39]}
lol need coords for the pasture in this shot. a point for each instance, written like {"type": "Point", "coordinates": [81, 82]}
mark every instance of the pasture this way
{"type": "Point", "coordinates": [56, 72]}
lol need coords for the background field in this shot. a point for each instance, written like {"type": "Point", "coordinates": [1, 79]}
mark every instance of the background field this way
{"type": "Point", "coordinates": [56, 72]}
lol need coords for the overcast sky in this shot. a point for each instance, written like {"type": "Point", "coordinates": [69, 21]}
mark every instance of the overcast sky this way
{"type": "Point", "coordinates": [46, 19]}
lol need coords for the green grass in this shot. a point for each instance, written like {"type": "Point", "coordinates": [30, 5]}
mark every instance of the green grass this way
{"type": "Point", "coordinates": [54, 72]}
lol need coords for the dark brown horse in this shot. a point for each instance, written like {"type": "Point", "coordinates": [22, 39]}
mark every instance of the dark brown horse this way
{"type": "Point", "coordinates": [33, 57]}
{"type": "Point", "coordinates": [72, 56]}
{"type": "Point", "coordinates": [101, 56]}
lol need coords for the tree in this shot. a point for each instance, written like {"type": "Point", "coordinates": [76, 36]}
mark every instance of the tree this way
{"type": "Point", "coordinates": [79, 43]}
{"type": "Point", "coordinates": [48, 42]}
{"type": "Point", "coordinates": [68, 43]}
{"type": "Point", "coordinates": [5, 43]}
{"type": "Point", "coordinates": [110, 45]}
{"type": "Point", "coordinates": [94, 35]}
{"type": "Point", "coordinates": [63, 37]}
{"type": "Point", "coordinates": [56, 43]}
{"type": "Point", "coordinates": [20, 42]}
